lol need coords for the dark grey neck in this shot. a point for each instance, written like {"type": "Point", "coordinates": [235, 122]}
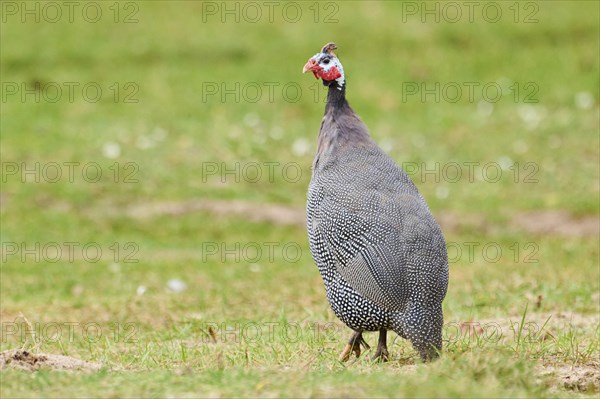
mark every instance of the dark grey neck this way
{"type": "Point", "coordinates": [336, 97]}
{"type": "Point", "coordinates": [341, 128]}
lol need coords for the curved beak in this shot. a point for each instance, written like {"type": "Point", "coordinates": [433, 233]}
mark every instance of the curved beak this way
{"type": "Point", "coordinates": [311, 65]}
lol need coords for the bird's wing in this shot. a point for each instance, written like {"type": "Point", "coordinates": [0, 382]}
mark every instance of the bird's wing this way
{"type": "Point", "coordinates": [380, 261]}
{"type": "Point", "coordinates": [370, 274]}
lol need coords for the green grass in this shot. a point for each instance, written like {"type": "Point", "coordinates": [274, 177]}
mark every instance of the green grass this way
{"type": "Point", "coordinates": [156, 342]}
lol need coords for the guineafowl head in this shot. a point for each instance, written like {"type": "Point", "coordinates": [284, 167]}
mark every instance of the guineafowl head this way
{"type": "Point", "coordinates": [327, 66]}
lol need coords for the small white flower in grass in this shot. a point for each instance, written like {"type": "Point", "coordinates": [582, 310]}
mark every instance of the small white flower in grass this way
{"type": "Point", "coordinates": [505, 162]}
{"type": "Point", "coordinates": [255, 268]}
{"type": "Point", "coordinates": [531, 115]}
{"type": "Point", "coordinates": [527, 113]}
{"type": "Point", "coordinates": [442, 192]}
{"type": "Point", "coordinates": [111, 150]}
{"type": "Point", "coordinates": [484, 108]}
{"type": "Point", "coordinates": [159, 134]}
{"type": "Point", "coordinates": [520, 147]}
{"type": "Point", "coordinates": [234, 132]}
{"type": "Point", "coordinates": [276, 133]}
{"type": "Point", "coordinates": [300, 147]}
{"type": "Point", "coordinates": [141, 290]}
{"type": "Point", "coordinates": [386, 145]}
{"type": "Point", "coordinates": [176, 285]}
{"type": "Point", "coordinates": [252, 119]}
{"type": "Point", "coordinates": [145, 142]}
{"type": "Point", "coordinates": [584, 100]}
{"type": "Point", "coordinates": [114, 267]}
{"type": "Point", "coordinates": [505, 84]}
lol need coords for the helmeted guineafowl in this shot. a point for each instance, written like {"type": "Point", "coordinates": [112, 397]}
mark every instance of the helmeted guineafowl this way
{"type": "Point", "coordinates": [380, 252]}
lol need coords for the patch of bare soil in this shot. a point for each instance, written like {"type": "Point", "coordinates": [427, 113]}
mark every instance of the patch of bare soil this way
{"type": "Point", "coordinates": [553, 222]}
{"type": "Point", "coordinates": [272, 213]}
{"type": "Point", "coordinates": [541, 327]}
{"type": "Point", "coordinates": [454, 222]}
{"type": "Point", "coordinates": [582, 378]}
{"type": "Point", "coordinates": [536, 327]}
{"type": "Point", "coordinates": [24, 360]}
{"type": "Point", "coordinates": [557, 222]}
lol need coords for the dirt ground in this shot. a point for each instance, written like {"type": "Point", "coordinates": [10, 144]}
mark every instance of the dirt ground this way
{"type": "Point", "coordinates": [27, 361]}
{"type": "Point", "coordinates": [548, 222]}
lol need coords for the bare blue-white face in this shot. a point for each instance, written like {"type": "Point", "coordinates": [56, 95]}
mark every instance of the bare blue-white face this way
{"type": "Point", "coordinates": [327, 66]}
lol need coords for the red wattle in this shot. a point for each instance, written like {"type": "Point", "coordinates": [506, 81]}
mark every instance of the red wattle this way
{"type": "Point", "coordinates": [332, 74]}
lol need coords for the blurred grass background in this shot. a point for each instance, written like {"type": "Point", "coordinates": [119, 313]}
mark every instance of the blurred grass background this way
{"type": "Point", "coordinates": [167, 59]}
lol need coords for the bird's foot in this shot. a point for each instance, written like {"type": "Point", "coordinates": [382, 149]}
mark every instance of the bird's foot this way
{"type": "Point", "coordinates": [381, 354]}
{"type": "Point", "coordinates": [353, 345]}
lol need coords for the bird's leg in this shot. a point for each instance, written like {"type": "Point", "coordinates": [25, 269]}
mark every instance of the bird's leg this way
{"type": "Point", "coordinates": [381, 354]}
{"type": "Point", "coordinates": [354, 343]}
